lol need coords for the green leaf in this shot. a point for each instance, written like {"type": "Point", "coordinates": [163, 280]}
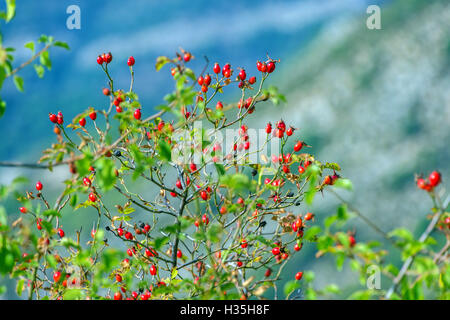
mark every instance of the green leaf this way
{"type": "Point", "coordinates": [61, 44]}
{"type": "Point", "coordinates": [343, 183]}
{"type": "Point", "coordinates": [332, 288]}
{"type": "Point", "coordinates": [51, 213]}
{"type": "Point", "coordinates": [401, 233]}
{"type": "Point", "coordinates": [361, 295]}
{"type": "Point", "coordinates": [105, 173]}
{"type": "Point", "coordinates": [160, 62]}
{"type": "Point", "coordinates": [51, 260]}
{"type": "Point", "coordinates": [10, 9]}
{"type": "Point", "coordinates": [2, 107]}
{"type": "Point", "coordinates": [2, 76]}
{"type": "Point", "coordinates": [213, 233]}
{"type": "Point", "coordinates": [311, 233]}
{"type": "Point", "coordinates": [159, 242]}
{"type": "Point", "coordinates": [238, 182]}
{"type": "Point", "coordinates": [20, 286]}
{"type": "Point", "coordinates": [30, 45]}
{"type": "Point", "coordinates": [45, 60]}
{"type": "Point", "coordinates": [73, 294]}
{"type": "Point", "coordinates": [220, 169]}
{"type": "Point", "coordinates": [164, 150]}
{"type": "Point", "coordinates": [18, 81]}
{"type": "Point", "coordinates": [291, 286]}
{"type": "Point", "coordinates": [39, 70]}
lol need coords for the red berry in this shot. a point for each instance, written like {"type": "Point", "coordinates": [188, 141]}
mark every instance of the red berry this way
{"type": "Point", "coordinates": [434, 178]}
{"type": "Point", "coordinates": [207, 80]}
{"type": "Point", "coordinates": [130, 61]}
{"type": "Point", "coordinates": [59, 118]}
{"type": "Point", "coordinates": [53, 118]}
{"type": "Point", "coordinates": [252, 80]}
{"type": "Point", "coordinates": [298, 275]}
{"type": "Point", "coordinates": [200, 80]}
{"type": "Point", "coordinates": [117, 296]}
{"type": "Point", "coordinates": [227, 73]}
{"type": "Point", "coordinates": [87, 182]}
{"type": "Point", "coordinates": [270, 66]}
{"type": "Point", "coordinates": [178, 184]}
{"type": "Point", "coordinates": [147, 228]}
{"type": "Point", "coordinates": [128, 236]}
{"type": "Point", "coordinates": [421, 183]}
{"type": "Point", "coordinates": [259, 65]}
{"type": "Point", "coordinates": [268, 273]}
{"type": "Point", "coordinates": [106, 91]}
{"type": "Point", "coordinates": [39, 186]}
{"type": "Point", "coordinates": [120, 231]}
{"type": "Point", "coordinates": [239, 264]}
{"type": "Point", "coordinates": [205, 219]}
{"type": "Point", "coordinates": [298, 146]}
{"type": "Point", "coordinates": [57, 276]}
{"type": "Point", "coordinates": [193, 167]}
{"type": "Point", "coordinates": [153, 270]}
{"type": "Point", "coordinates": [187, 56]}
{"type": "Point", "coordinates": [179, 253]}
{"type": "Point", "coordinates": [82, 122]}
{"type": "Point", "coordinates": [352, 241]}
{"type": "Point", "coordinates": [38, 224]}
{"type": "Point", "coordinates": [290, 131]}
{"type": "Point", "coordinates": [216, 68]}
{"type": "Point", "coordinates": [223, 210]}
{"type": "Point", "coordinates": [276, 251]}
{"type": "Point", "coordinates": [204, 195]}
{"type": "Point", "coordinates": [244, 243]}
{"type": "Point", "coordinates": [301, 170]}
{"type": "Point", "coordinates": [219, 105]}
{"type": "Point", "coordinates": [242, 75]}
{"type": "Point", "coordinates": [92, 197]}
{"type": "Point", "coordinates": [204, 88]}
{"type": "Point", "coordinates": [309, 216]}
{"type": "Point", "coordinates": [23, 209]}
{"type": "Point", "coordinates": [108, 57]}
{"type": "Point", "coordinates": [93, 115]}
{"type": "Point", "coordinates": [269, 128]}
{"type": "Point", "coordinates": [297, 247]}
{"type": "Point", "coordinates": [99, 60]}
{"type": "Point", "coordinates": [119, 109]}
{"type": "Point", "coordinates": [307, 163]}
{"type": "Point", "coordinates": [61, 233]}
{"type": "Point", "coordinates": [263, 68]}
{"type": "Point", "coordinates": [118, 278]}
{"type": "Point", "coordinates": [137, 114]}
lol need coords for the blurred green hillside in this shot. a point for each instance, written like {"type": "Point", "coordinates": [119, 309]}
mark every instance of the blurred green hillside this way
{"type": "Point", "coordinates": [378, 103]}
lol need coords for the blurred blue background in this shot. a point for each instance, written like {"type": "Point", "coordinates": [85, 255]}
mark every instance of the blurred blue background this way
{"type": "Point", "coordinates": [375, 101]}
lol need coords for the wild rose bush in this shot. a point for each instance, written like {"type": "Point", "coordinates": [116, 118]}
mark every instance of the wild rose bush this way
{"type": "Point", "coordinates": [182, 212]}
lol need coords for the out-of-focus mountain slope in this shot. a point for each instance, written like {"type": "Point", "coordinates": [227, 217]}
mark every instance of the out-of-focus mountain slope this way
{"type": "Point", "coordinates": [378, 103]}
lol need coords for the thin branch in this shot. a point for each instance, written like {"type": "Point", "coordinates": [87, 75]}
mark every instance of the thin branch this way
{"type": "Point", "coordinates": [23, 65]}
{"type": "Point", "coordinates": [422, 239]}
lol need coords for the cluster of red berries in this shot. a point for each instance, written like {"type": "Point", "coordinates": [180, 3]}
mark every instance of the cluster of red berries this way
{"type": "Point", "coordinates": [280, 131]}
{"type": "Point", "coordinates": [56, 118]}
{"type": "Point", "coordinates": [104, 58]}
{"type": "Point", "coordinates": [434, 179]}
{"type": "Point", "coordinates": [92, 115]}
{"type": "Point", "coordinates": [268, 66]}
